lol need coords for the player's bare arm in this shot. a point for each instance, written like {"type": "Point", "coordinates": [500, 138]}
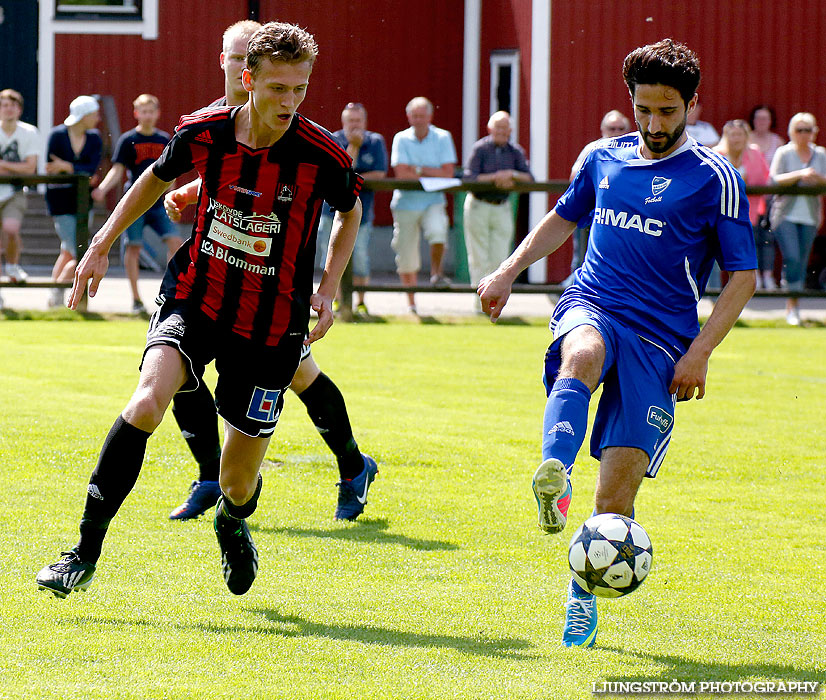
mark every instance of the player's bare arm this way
{"type": "Point", "coordinates": [690, 371]}
{"type": "Point", "coordinates": [545, 238]}
{"type": "Point", "coordinates": [113, 177]}
{"type": "Point", "coordinates": [342, 239]}
{"type": "Point", "coordinates": [175, 201]}
{"type": "Point", "coordinates": [92, 267]}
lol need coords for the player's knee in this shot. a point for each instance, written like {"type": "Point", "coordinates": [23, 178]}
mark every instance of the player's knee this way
{"type": "Point", "coordinates": [236, 490]}
{"type": "Point", "coordinates": [145, 410]}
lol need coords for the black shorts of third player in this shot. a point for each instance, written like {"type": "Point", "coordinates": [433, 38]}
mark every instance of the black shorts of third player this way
{"type": "Point", "coordinates": [252, 377]}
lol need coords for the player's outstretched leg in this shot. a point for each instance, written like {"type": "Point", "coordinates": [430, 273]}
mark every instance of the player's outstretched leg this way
{"type": "Point", "coordinates": [326, 408]}
{"type": "Point", "coordinates": [352, 493]}
{"type": "Point", "coordinates": [113, 478]}
{"type": "Point", "coordinates": [197, 418]}
{"type": "Point", "coordinates": [239, 556]}
{"type": "Point", "coordinates": [564, 424]}
{"type": "Point", "coordinates": [552, 491]}
{"type": "Point", "coordinates": [580, 628]}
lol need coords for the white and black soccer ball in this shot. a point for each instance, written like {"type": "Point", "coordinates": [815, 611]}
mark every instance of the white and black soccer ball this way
{"type": "Point", "coordinates": [610, 555]}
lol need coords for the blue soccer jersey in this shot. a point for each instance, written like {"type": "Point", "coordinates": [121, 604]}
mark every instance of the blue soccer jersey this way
{"type": "Point", "coordinates": [658, 226]}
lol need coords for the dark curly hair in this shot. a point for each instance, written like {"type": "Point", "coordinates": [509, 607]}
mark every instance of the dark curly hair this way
{"type": "Point", "coordinates": [666, 63]}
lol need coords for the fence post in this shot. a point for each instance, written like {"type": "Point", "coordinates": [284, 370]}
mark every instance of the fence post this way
{"type": "Point", "coordinates": [82, 228]}
{"type": "Point", "coordinates": [346, 286]}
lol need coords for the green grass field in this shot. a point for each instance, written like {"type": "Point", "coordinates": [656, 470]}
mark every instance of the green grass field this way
{"type": "Point", "coordinates": [445, 587]}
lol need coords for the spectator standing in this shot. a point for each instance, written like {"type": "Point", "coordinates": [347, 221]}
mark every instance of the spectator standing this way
{"type": "Point", "coordinates": [613, 124]}
{"type": "Point", "coordinates": [135, 151]}
{"type": "Point", "coordinates": [369, 154]}
{"type": "Point", "coordinates": [702, 132]}
{"type": "Point", "coordinates": [74, 147]}
{"type": "Point", "coordinates": [763, 122]}
{"type": "Point", "coordinates": [19, 148]}
{"type": "Point", "coordinates": [488, 217]}
{"type": "Point", "coordinates": [423, 150]}
{"type": "Point", "coordinates": [796, 218]}
{"type": "Point", "coordinates": [749, 162]}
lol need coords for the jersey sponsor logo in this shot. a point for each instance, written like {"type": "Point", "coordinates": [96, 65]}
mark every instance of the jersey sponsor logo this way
{"type": "Point", "coordinates": [220, 253]}
{"type": "Point", "coordinates": [659, 185]}
{"type": "Point", "coordinates": [603, 184]}
{"type": "Point", "coordinates": [285, 192]}
{"type": "Point", "coordinates": [622, 219]}
{"type": "Point", "coordinates": [244, 190]}
{"type": "Point", "coordinates": [264, 405]}
{"type": "Point", "coordinates": [660, 418]}
{"type": "Point", "coordinates": [268, 224]}
{"type": "Point", "coordinates": [562, 427]}
{"type": "Point", "coordinates": [228, 236]}
{"type": "Point", "coordinates": [204, 137]}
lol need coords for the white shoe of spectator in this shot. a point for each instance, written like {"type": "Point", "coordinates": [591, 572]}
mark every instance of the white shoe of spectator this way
{"type": "Point", "coordinates": [56, 297]}
{"type": "Point", "coordinates": [793, 317]}
{"type": "Point", "coordinates": [768, 281]}
{"type": "Point", "coordinates": [16, 273]}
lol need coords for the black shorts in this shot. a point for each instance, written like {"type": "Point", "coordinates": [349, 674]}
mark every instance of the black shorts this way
{"type": "Point", "coordinates": [252, 377]}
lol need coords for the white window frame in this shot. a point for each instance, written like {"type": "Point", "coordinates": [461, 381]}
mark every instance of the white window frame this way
{"type": "Point", "coordinates": [146, 26]}
{"type": "Point", "coordinates": [508, 58]}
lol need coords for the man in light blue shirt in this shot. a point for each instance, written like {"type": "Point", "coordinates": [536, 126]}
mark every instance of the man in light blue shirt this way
{"type": "Point", "coordinates": [423, 150]}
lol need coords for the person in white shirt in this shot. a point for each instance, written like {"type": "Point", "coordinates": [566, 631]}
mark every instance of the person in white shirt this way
{"type": "Point", "coordinates": [19, 146]}
{"type": "Point", "coordinates": [702, 132]}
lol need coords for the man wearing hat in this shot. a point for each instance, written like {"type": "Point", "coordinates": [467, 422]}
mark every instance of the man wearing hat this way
{"type": "Point", "coordinates": [74, 147]}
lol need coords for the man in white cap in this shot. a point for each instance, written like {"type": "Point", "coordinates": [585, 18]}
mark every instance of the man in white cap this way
{"type": "Point", "coordinates": [74, 147]}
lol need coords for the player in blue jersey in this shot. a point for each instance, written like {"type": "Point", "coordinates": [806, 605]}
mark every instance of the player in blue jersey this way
{"type": "Point", "coordinates": [665, 208]}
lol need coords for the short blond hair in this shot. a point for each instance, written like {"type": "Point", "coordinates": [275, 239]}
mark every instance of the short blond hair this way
{"type": "Point", "coordinates": [279, 41]}
{"type": "Point", "coordinates": [13, 95]}
{"type": "Point", "coordinates": [246, 27]}
{"type": "Point", "coordinates": [146, 99]}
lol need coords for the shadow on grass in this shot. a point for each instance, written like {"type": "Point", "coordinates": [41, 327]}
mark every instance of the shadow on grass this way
{"type": "Point", "coordinates": [281, 625]}
{"type": "Point", "coordinates": [294, 626]}
{"type": "Point", "coordinates": [366, 530]}
{"type": "Point", "coordinates": [692, 670]}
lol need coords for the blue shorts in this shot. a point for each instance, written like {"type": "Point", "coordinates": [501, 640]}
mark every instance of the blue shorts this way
{"type": "Point", "coordinates": [156, 219]}
{"type": "Point", "coordinates": [636, 409]}
{"type": "Point", "coordinates": [66, 227]}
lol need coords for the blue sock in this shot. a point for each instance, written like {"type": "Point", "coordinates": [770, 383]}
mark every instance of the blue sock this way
{"type": "Point", "coordinates": [566, 420]}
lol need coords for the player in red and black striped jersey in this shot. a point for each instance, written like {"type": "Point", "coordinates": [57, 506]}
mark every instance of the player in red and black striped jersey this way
{"type": "Point", "coordinates": [195, 412]}
{"type": "Point", "coordinates": [238, 293]}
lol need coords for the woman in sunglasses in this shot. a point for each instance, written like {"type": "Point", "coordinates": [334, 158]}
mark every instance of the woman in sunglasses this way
{"type": "Point", "coordinates": [796, 218]}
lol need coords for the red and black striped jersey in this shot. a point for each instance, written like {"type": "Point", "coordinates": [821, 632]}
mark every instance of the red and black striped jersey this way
{"type": "Point", "coordinates": [248, 263]}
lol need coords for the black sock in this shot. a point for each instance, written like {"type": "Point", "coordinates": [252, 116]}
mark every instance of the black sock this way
{"type": "Point", "coordinates": [227, 511]}
{"type": "Point", "coordinates": [114, 477]}
{"type": "Point", "coordinates": [197, 418]}
{"type": "Point", "coordinates": [326, 408]}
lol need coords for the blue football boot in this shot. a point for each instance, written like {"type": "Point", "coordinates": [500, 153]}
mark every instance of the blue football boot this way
{"type": "Point", "coordinates": [580, 628]}
{"type": "Point", "coordinates": [352, 493]}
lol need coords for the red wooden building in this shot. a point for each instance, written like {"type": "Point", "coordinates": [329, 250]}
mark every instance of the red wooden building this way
{"type": "Point", "coordinates": [554, 64]}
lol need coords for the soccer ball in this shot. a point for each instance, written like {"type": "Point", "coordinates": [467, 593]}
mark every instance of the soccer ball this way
{"type": "Point", "coordinates": [610, 555]}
